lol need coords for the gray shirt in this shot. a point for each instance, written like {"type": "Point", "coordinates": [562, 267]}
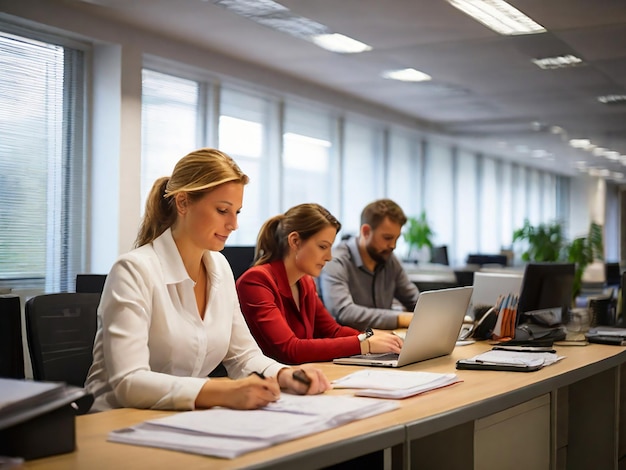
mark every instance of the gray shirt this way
{"type": "Point", "coordinates": [361, 298]}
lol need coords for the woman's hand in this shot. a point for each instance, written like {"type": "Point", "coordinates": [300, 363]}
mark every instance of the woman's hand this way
{"type": "Point", "coordinates": [244, 394]}
{"type": "Point", "coordinates": [384, 342]}
{"type": "Point", "coordinates": [294, 380]}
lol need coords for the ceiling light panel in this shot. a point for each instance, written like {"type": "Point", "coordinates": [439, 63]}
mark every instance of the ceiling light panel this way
{"type": "Point", "coordinates": [406, 75]}
{"type": "Point", "coordinates": [280, 18]}
{"type": "Point", "coordinates": [336, 42]}
{"type": "Point", "coordinates": [612, 99]}
{"type": "Point", "coordinates": [499, 16]}
{"type": "Point", "coordinates": [558, 62]}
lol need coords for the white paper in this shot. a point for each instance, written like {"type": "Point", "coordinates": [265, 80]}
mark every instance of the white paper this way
{"type": "Point", "coordinates": [393, 383]}
{"type": "Point", "coordinates": [228, 433]}
{"type": "Point", "coordinates": [178, 439]}
{"type": "Point", "coordinates": [253, 424]}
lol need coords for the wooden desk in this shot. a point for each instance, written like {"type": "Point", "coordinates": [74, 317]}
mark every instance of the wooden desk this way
{"type": "Point", "coordinates": [583, 391]}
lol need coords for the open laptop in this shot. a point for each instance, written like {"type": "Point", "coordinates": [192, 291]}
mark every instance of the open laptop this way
{"type": "Point", "coordinates": [433, 331]}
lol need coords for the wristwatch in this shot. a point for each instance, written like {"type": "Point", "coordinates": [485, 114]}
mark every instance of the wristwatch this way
{"type": "Point", "coordinates": [366, 334]}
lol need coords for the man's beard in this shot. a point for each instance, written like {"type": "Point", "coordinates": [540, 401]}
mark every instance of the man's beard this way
{"type": "Point", "coordinates": [380, 257]}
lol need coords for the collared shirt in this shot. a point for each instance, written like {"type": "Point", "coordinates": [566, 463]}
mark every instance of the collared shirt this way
{"type": "Point", "coordinates": [361, 298]}
{"type": "Point", "coordinates": [152, 348]}
{"type": "Point", "coordinates": [284, 332]}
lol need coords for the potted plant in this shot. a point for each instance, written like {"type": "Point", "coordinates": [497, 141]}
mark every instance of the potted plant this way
{"type": "Point", "coordinates": [418, 235]}
{"type": "Point", "coordinates": [546, 243]}
{"type": "Point", "coordinates": [585, 250]}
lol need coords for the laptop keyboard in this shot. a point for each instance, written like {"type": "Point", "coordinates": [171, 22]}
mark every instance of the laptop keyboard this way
{"type": "Point", "coordinates": [380, 356]}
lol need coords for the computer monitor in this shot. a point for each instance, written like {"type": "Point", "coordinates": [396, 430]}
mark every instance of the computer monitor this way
{"type": "Point", "coordinates": [546, 286]}
{"type": "Point", "coordinates": [489, 286]}
{"type": "Point", "coordinates": [240, 258]}
{"type": "Point", "coordinates": [90, 283]}
{"type": "Point", "coordinates": [612, 274]}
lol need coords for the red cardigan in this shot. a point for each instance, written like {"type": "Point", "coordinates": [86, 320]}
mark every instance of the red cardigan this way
{"type": "Point", "coordinates": [283, 332]}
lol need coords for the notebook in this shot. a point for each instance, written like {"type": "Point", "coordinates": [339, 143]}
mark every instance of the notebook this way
{"type": "Point", "coordinates": [433, 331]}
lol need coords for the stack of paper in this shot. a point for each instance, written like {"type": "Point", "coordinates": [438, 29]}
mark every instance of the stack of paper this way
{"type": "Point", "coordinates": [26, 393]}
{"type": "Point", "coordinates": [21, 400]}
{"type": "Point", "coordinates": [228, 433]}
{"type": "Point", "coordinates": [393, 383]}
{"type": "Point", "coordinates": [513, 358]}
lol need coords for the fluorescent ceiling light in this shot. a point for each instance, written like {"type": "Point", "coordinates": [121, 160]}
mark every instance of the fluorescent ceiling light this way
{"type": "Point", "coordinates": [278, 17]}
{"type": "Point", "coordinates": [579, 143]}
{"type": "Point", "coordinates": [407, 75]}
{"type": "Point", "coordinates": [336, 42]}
{"type": "Point", "coordinates": [252, 8]}
{"type": "Point", "coordinates": [598, 151]}
{"type": "Point", "coordinates": [612, 99]}
{"type": "Point", "coordinates": [499, 16]}
{"type": "Point", "coordinates": [558, 62]}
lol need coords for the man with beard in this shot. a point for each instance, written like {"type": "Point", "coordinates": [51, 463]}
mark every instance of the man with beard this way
{"type": "Point", "coordinates": [359, 284]}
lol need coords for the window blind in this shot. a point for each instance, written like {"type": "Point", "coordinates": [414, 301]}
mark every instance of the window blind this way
{"type": "Point", "coordinates": [170, 125]}
{"type": "Point", "coordinates": [42, 177]}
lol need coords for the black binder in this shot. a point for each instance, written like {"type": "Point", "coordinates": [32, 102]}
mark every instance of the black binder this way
{"type": "Point", "coordinates": [38, 420]}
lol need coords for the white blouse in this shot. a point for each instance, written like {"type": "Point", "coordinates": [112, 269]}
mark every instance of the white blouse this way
{"type": "Point", "coordinates": [152, 349]}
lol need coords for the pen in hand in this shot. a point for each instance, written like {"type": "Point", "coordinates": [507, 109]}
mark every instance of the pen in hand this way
{"type": "Point", "coordinates": [300, 376]}
{"type": "Point", "coordinates": [259, 375]}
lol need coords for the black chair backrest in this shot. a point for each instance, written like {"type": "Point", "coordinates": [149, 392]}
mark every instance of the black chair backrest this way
{"type": "Point", "coordinates": [482, 259]}
{"type": "Point", "coordinates": [90, 283]}
{"type": "Point", "coordinates": [60, 329]}
{"type": "Point", "coordinates": [439, 255]}
{"type": "Point", "coordinates": [240, 258]}
{"type": "Point", "coordinates": [11, 352]}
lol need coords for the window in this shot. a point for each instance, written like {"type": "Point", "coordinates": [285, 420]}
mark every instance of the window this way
{"type": "Point", "coordinates": [363, 175]}
{"type": "Point", "coordinates": [309, 163]}
{"type": "Point", "coordinates": [170, 125]}
{"type": "Point", "coordinates": [244, 127]}
{"type": "Point", "coordinates": [467, 224]}
{"type": "Point", "coordinates": [404, 178]}
{"type": "Point", "coordinates": [42, 171]}
{"type": "Point", "coordinates": [439, 194]}
{"type": "Point", "coordinates": [490, 209]}
{"type": "Point", "coordinates": [505, 198]}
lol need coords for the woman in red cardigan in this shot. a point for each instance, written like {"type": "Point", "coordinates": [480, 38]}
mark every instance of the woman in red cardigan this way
{"type": "Point", "coordinates": [278, 296]}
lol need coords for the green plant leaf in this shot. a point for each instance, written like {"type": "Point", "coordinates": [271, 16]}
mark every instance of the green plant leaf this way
{"type": "Point", "coordinates": [418, 233]}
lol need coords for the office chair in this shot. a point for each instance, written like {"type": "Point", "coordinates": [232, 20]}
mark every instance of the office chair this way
{"type": "Point", "coordinates": [439, 255]}
{"type": "Point", "coordinates": [11, 352]}
{"type": "Point", "coordinates": [60, 330]}
{"type": "Point", "coordinates": [240, 258]}
{"type": "Point", "coordinates": [90, 283]}
{"type": "Point", "coordinates": [482, 259]}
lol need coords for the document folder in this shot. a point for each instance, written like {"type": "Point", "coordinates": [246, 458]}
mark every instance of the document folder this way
{"type": "Point", "coordinates": [37, 419]}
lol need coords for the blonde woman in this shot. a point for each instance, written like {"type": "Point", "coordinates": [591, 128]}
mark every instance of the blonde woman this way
{"type": "Point", "coordinates": [169, 312]}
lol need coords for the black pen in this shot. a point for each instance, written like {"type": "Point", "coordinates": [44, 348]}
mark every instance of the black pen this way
{"type": "Point", "coordinates": [259, 375]}
{"type": "Point", "coordinates": [300, 376]}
